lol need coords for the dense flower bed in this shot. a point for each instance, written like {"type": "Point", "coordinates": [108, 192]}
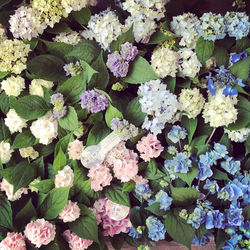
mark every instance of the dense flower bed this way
{"type": "Point", "coordinates": [130, 123]}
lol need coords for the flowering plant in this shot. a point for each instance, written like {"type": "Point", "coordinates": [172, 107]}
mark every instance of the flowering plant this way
{"type": "Point", "coordinates": [130, 122]}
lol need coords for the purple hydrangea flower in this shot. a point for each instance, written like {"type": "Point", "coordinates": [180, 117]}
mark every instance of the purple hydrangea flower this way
{"type": "Point", "coordinates": [93, 101]}
{"type": "Point", "coordinates": [116, 65]}
{"type": "Point", "coordinates": [128, 52]}
{"type": "Point", "coordinates": [59, 109]}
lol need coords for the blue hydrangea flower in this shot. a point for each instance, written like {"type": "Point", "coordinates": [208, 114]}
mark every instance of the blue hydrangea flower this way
{"type": "Point", "coordinates": [243, 182]}
{"type": "Point", "coordinates": [230, 91]}
{"type": "Point", "coordinates": [181, 163]}
{"type": "Point", "coordinates": [156, 230]}
{"type": "Point", "coordinates": [177, 133]}
{"type": "Point", "coordinates": [212, 186]}
{"type": "Point", "coordinates": [133, 233]}
{"type": "Point", "coordinates": [230, 192]}
{"type": "Point", "coordinates": [204, 167]}
{"type": "Point", "coordinates": [238, 57]}
{"type": "Point", "coordinates": [234, 216]}
{"type": "Point", "coordinates": [143, 190]}
{"type": "Point", "coordinates": [164, 200]}
{"type": "Point", "coordinates": [215, 219]}
{"type": "Point", "coordinates": [197, 217]}
{"type": "Point", "coordinates": [237, 24]}
{"type": "Point", "coordinates": [221, 150]}
{"type": "Point", "coordinates": [202, 242]}
{"type": "Point", "coordinates": [231, 166]}
{"type": "Point", "coordinates": [210, 86]}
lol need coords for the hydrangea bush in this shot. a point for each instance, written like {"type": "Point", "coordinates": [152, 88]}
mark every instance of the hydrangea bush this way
{"type": "Point", "coordinates": [129, 124]}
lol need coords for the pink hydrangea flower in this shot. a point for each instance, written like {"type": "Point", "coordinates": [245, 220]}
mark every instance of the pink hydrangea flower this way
{"type": "Point", "coordinates": [40, 232]}
{"type": "Point", "coordinates": [75, 149]}
{"type": "Point", "coordinates": [102, 210]}
{"type": "Point", "coordinates": [125, 169]}
{"type": "Point", "coordinates": [149, 147]}
{"type": "Point", "coordinates": [70, 213]}
{"type": "Point", "coordinates": [13, 241]}
{"type": "Point", "coordinates": [75, 242]}
{"type": "Point", "coordinates": [138, 179]}
{"type": "Point", "coordinates": [101, 177]}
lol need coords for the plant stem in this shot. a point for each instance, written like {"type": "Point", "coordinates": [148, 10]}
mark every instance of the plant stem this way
{"type": "Point", "coordinates": [210, 137]}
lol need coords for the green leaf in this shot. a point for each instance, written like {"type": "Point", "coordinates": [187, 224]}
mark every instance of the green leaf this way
{"type": "Point", "coordinates": [59, 28]}
{"type": "Point", "coordinates": [5, 213]}
{"type": "Point", "coordinates": [242, 44]}
{"type": "Point", "coordinates": [159, 37]}
{"type": "Point", "coordinates": [101, 79]}
{"type": "Point", "coordinates": [79, 173]}
{"type": "Point", "coordinates": [140, 71]}
{"type": "Point", "coordinates": [47, 67]}
{"type": "Point", "coordinates": [184, 196]}
{"type": "Point", "coordinates": [63, 143]}
{"type": "Point", "coordinates": [73, 88]}
{"type": "Point", "coordinates": [190, 125]}
{"type": "Point", "coordinates": [98, 132]}
{"type": "Point", "coordinates": [85, 50]}
{"type": "Point", "coordinates": [25, 215]}
{"type": "Point", "coordinates": [45, 186]}
{"type": "Point", "coordinates": [200, 231]}
{"type": "Point", "coordinates": [219, 175]}
{"type": "Point", "coordinates": [241, 68]}
{"type": "Point", "coordinates": [82, 16]}
{"type": "Point", "coordinates": [152, 172]}
{"type": "Point", "coordinates": [5, 102]}
{"type": "Point", "coordinates": [22, 175]}
{"type": "Point", "coordinates": [220, 239]}
{"type": "Point", "coordinates": [4, 131]}
{"type": "Point", "coordinates": [155, 209]}
{"type": "Point", "coordinates": [33, 43]}
{"type": "Point", "coordinates": [30, 107]}
{"type": "Point", "coordinates": [135, 216]}
{"type": "Point", "coordinates": [221, 55]}
{"type": "Point", "coordinates": [39, 165]}
{"type": "Point", "coordinates": [59, 161]}
{"type": "Point", "coordinates": [111, 113]}
{"type": "Point", "coordinates": [85, 187]}
{"type": "Point", "coordinates": [129, 186]}
{"type": "Point", "coordinates": [133, 112]}
{"type": "Point", "coordinates": [3, 74]}
{"type": "Point", "coordinates": [24, 140]}
{"type": "Point", "coordinates": [243, 103]}
{"type": "Point", "coordinates": [204, 49]}
{"type": "Point", "coordinates": [117, 241]}
{"type": "Point", "coordinates": [189, 176]}
{"type": "Point", "coordinates": [4, 2]}
{"type": "Point", "coordinates": [197, 142]}
{"type": "Point", "coordinates": [178, 228]}
{"type": "Point", "coordinates": [70, 121]}
{"type": "Point", "coordinates": [123, 38]}
{"type": "Point", "coordinates": [58, 48]}
{"type": "Point", "coordinates": [86, 226]}
{"type": "Point", "coordinates": [225, 141]}
{"type": "Point", "coordinates": [116, 195]}
{"type": "Point", "coordinates": [171, 83]}
{"type": "Point", "coordinates": [246, 212]}
{"type": "Point", "coordinates": [54, 203]}
{"type": "Point", "coordinates": [243, 119]}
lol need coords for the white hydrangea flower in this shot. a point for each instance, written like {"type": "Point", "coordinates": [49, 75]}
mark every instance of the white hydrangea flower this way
{"type": "Point", "coordinates": [240, 135]}
{"type": "Point", "coordinates": [75, 149]}
{"type": "Point", "coordinates": [158, 103]}
{"type": "Point", "coordinates": [13, 85]}
{"type": "Point", "coordinates": [104, 27]}
{"type": "Point", "coordinates": [220, 110]}
{"type": "Point", "coordinates": [189, 65]}
{"type": "Point", "coordinates": [13, 55]}
{"type": "Point", "coordinates": [164, 61]}
{"type": "Point", "coordinates": [26, 23]}
{"type": "Point", "coordinates": [8, 188]}
{"type": "Point", "coordinates": [153, 9]}
{"type": "Point", "coordinates": [35, 87]}
{"type": "Point", "coordinates": [143, 27]}
{"type": "Point", "coordinates": [72, 38]}
{"type": "Point", "coordinates": [3, 35]}
{"type": "Point", "coordinates": [185, 26]}
{"type": "Point", "coordinates": [70, 213]}
{"type": "Point", "coordinates": [73, 5]}
{"type": "Point", "coordinates": [65, 177]}
{"type": "Point", "coordinates": [191, 101]}
{"type": "Point", "coordinates": [5, 152]}
{"type": "Point", "coordinates": [14, 122]}
{"type": "Point", "coordinates": [45, 128]}
{"type": "Point", "coordinates": [28, 152]}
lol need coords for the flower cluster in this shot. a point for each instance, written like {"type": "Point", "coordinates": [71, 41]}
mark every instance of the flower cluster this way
{"type": "Point", "coordinates": [117, 63]}
{"type": "Point", "coordinates": [113, 217]}
{"type": "Point", "coordinates": [72, 38]}
{"type": "Point", "coordinates": [73, 69]}
{"type": "Point", "coordinates": [36, 86]}
{"type": "Point", "coordinates": [93, 101]}
{"type": "Point", "coordinates": [59, 110]}
{"type": "Point", "coordinates": [156, 230]}
{"type": "Point", "coordinates": [158, 103]}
